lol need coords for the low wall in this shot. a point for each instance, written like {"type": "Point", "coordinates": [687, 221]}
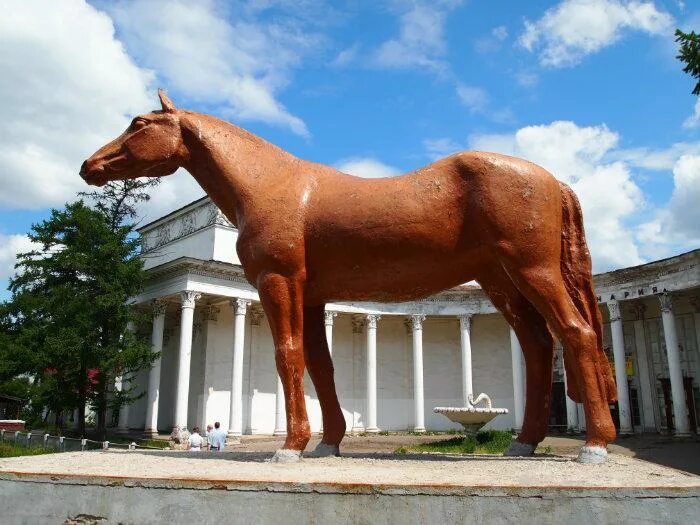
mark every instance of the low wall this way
{"type": "Point", "coordinates": [52, 499]}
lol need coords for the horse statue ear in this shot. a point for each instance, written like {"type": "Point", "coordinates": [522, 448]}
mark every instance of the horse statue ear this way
{"type": "Point", "coordinates": [167, 104]}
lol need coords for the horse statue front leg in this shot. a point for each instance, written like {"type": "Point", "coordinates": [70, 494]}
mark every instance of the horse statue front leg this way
{"type": "Point", "coordinates": [282, 300]}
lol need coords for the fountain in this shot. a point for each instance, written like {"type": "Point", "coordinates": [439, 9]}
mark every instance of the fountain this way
{"type": "Point", "coordinates": [472, 417]}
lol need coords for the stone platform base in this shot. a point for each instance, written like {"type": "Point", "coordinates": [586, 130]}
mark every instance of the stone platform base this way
{"type": "Point", "coordinates": [181, 487]}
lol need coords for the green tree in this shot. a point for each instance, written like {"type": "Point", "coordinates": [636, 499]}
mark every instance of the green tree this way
{"type": "Point", "coordinates": [67, 322]}
{"type": "Point", "coordinates": [689, 54]}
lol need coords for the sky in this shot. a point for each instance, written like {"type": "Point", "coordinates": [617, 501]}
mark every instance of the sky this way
{"type": "Point", "coordinates": [589, 89]}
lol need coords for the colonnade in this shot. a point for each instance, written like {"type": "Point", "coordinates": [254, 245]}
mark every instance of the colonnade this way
{"type": "Point", "coordinates": [681, 422]}
{"type": "Point", "coordinates": [415, 322]}
{"type": "Point", "coordinates": [240, 308]}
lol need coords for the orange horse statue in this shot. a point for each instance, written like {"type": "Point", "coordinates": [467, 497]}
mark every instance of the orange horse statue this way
{"type": "Point", "coordinates": [309, 234]}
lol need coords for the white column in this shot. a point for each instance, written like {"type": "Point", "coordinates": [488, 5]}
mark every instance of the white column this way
{"type": "Point", "coordinates": [581, 417]}
{"type": "Point", "coordinates": [372, 373]}
{"type": "Point", "coordinates": [185, 356]}
{"type": "Point", "coordinates": [675, 373]}
{"type": "Point", "coordinates": [256, 315]}
{"type": "Point", "coordinates": [151, 426]}
{"type": "Point", "coordinates": [358, 325]}
{"type": "Point", "coordinates": [516, 356]}
{"type": "Point", "coordinates": [328, 317]}
{"type": "Point", "coordinates": [418, 395]}
{"type": "Point", "coordinates": [122, 426]}
{"type": "Point", "coordinates": [123, 384]}
{"type": "Point", "coordinates": [695, 302]}
{"type": "Point", "coordinates": [280, 412]}
{"type": "Point", "coordinates": [235, 424]}
{"type": "Point", "coordinates": [618, 343]}
{"type": "Point", "coordinates": [465, 323]}
{"type": "Point", "coordinates": [642, 363]}
{"type": "Point", "coordinates": [209, 318]}
{"type": "Point", "coordinates": [571, 409]}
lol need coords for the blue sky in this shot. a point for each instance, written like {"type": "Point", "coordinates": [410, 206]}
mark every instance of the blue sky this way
{"type": "Point", "coordinates": [590, 89]}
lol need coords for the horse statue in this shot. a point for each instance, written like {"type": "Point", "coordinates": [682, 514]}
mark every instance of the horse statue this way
{"type": "Point", "coordinates": [309, 234]}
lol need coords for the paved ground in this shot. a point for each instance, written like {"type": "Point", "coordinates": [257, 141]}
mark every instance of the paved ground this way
{"type": "Point", "coordinates": [373, 468]}
{"type": "Point", "coordinates": [682, 454]}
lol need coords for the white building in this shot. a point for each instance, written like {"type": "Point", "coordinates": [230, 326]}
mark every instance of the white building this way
{"type": "Point", "coordinates": [217, 361]}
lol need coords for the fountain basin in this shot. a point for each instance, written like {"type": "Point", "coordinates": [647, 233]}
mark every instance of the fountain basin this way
{"type": "Point", "coordinates": [471, 418]}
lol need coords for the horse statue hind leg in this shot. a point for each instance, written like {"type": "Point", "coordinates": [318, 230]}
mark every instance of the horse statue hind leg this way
{"type": "Point", "coordinates": [538, 348]}
{"type": "Point", "coordinates": [320, 367]}
{"type": "Point", "coordinates": [558, 283]}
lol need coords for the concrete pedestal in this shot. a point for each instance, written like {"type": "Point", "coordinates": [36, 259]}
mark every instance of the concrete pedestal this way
{"type": "Point", "coordinates": [199, 487]}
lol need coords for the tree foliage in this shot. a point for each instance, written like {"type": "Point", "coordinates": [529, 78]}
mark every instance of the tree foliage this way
{"type": "Point", "coordinates": [67, 323]}
{"type": "Point", "coordinates": [689, 54]}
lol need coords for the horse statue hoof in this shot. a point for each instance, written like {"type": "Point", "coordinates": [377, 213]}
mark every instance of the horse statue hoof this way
{"type": "Point", "coordinates": [518, 449]}
{"type": "Point", "coordinates": [285, 455]}
{"type": "Point", "coordinates": [592, 455]}
{"type": "Point", "coordinates": [324, 450]}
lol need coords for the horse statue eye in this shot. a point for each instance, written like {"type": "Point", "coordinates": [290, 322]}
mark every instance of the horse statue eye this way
{"type": "Point", "coordinates": [138, 123]}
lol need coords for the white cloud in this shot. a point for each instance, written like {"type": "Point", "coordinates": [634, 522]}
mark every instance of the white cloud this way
{"type": "Point", "coordinates": [67, 84]}
{"type": "Point", "coordinates": [173, 192]}
{"type": "Point", "coordinates": [421, 41]}
{"type": "Point", "coordinates": [607, 191]}
{"type": "Point", "coordinates": [366, 167]}
{"type": "Point", "coordinates": [441, 147]}
{"type": "Point", "coordinates": [475, 98]}
{"type": "Point", "coordinates": [678, 224]}
{"type": "Point", "coordinates": [656, 159]}
{"type": "Point", "coordinates": [574, 29]}
{"type": "Point", "coordinates": [526, 79]}
{"type": "Point", "coordinates": [693, 121]}
{"type": "Point", "coordinates": [492, 42]}
{"type": "Point", "coordinates": [500, 33]}
{"type": "Point", "coordinates": [346, 56]}
{"type": "Point", "coordinates": [10, 246]}
{"type": "Point", "coordinates": [197, 52]}
{"type": "Point", "coordinates": [683, 206]}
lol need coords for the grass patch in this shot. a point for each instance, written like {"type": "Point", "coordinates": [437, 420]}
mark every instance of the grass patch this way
{"type": "Point", "coordinates": [485, 442]}
{"type": "Point", "coordinates": [155, 443]}
{"type": "Point", "coordinates": [10, 450]}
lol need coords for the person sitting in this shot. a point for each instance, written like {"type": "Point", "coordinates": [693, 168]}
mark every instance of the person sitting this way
{"type": "Point", "coordinates": [217, 441]}
{"type": "Point", "coordinates": [196, 441]}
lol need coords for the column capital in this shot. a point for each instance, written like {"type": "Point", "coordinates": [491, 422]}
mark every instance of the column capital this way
{"type": "Point", "coordinates": [614, 309]}
{"type": "Point", "coordinates": [417, 321]}
{"type": "Point", "coordinates": [211, 313]}
{"type": "Point", "coordinates": [695, 303]}
{"type": "Point", "coordinates": [666, 302]}
{"type": "Point", "coordinates": [328, 317]}
{"type": "Point", "coordinates": [372, 320]}
{"type": "Point", "coordinates": [256, 315]}
{"type": "Point", "coordinates": [465, 321]}
{"type": "Point", "coordinates": [638, 310]}
{"type": "Point", "coordinates": [240, 306]}
{"type": "Point", "coordinates": [158, 307]}
{"type": "Point", "coordinates": [357, 324]}
{"type": "Point", "coordinates": [189, 297]}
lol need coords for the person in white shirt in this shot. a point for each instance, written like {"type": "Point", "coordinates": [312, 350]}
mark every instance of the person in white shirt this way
{"type": "Point", "coordinates": [195, 442]}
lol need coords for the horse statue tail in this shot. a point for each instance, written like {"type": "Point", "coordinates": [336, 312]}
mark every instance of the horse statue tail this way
{"type": "Point", "coordinates": [576, 269]}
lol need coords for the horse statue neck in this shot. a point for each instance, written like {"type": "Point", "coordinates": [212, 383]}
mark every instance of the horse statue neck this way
{"type": "Point", "coordinates": [229, 163]}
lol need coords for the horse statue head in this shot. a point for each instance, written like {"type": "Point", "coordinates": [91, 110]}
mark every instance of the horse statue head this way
{"type": "Point", "coordinates": [150, 147]}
